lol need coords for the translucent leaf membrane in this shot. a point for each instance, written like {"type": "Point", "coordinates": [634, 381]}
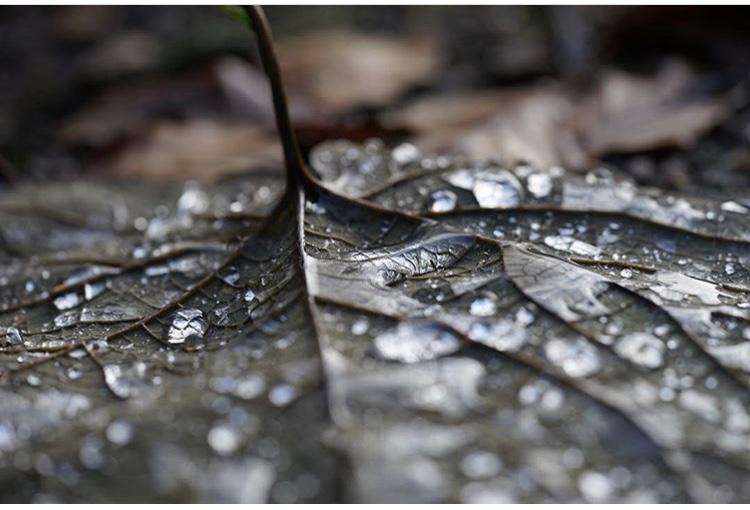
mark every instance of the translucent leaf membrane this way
{"type": "Point", "coordinates": [188, 367]}
{"type": "Point", "coordinates": [636, 298]}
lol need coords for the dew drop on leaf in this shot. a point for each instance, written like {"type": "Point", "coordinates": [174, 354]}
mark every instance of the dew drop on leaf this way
{"type": "Point", "coordinates": [442, 201]}
{"type": "Point", "coordinates": [483, 306]}
{"type": "Point", "coordinates": [187, 323]}
{"type": "Point", "coordinates": [13, 336]}
{"type": "Point", "coordinates": [576, 357]}
{"type": "Point", "coordinates": [539, 184]}
{"type": "Point", "coordinates": [67, 301]}
{"type": "Point", "coordinates": [413, 341]}
{"type": "Point", "coordinates": [223, 439]}
{"type": "Point", "coordinates": [642, 349]}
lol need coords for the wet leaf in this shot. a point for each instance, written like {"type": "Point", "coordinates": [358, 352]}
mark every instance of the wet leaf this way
{"type": "Point", "coordinates": [387, 327]}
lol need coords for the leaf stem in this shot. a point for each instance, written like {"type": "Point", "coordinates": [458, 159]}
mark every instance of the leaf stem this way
{"type": "Point", "coordinates": [292, 155]}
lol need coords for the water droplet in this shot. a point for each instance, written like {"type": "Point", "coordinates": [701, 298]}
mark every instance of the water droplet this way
{"type": "Point", "coordinates": [91, 290]}
{"type": "Point", "coordinates": [524, 317]}
{"type": "Point", "coordinates": [501, 334]}
{"type": "Point", "coordinates": [125, 381]}
{"type": "Point", "coordinates": [729, 268]}
{"type": "Point", "coordinates": [539, 184]}
{"type": "Point", "coordinates": [732, 206]}
{"type": "Point", "coordinates": [360, 327]}
{"type": "Point", "coordinates": [413, 341]}
{"type": "Point", "coordinates": [484, 305]}
{"type": "Point", "coordinates": [626, 273]}
{"type": "Point", "coordinates": [230, 275]}
{"type": "Point", "coordinates": [497, 188]}
{"type": "Point", "coordinates": [443, 201]}
{"type": "Point", "coordinates": [66, 319]}
{"type": "Point", "coordinates": [110, 313]}
{"type": "Point", "coordinates": [223, 439]}
{"type": "Point", "coordinates": [481, 464]}
{"type": "Point", "coordinates": [67, 301]}
{"type": "Point", "coordinates": [193, 199]}
{"type": "Point", "coordinates": [577, 358]}
{"type": "Point", "coordinates": [641, 348]}
{"type": "Point", "coordinates": [120, 432]}
{"type": "Point", "coordinates": [282, 395]}
{"type": "Point", "coordinates": [594, 486]}
{"type": "Point", "coordinates": [572, 245]}
{"type": "Point", "coordinates": [73, 373]}
{"type": "Point", "coordinates": [13, 336]}
{"type": "Point", "coordinates": [405, 153]}
{"type": "Point", "coordinates": [187, 323]}
{"type": "Point", "coordinates": [249, 295]}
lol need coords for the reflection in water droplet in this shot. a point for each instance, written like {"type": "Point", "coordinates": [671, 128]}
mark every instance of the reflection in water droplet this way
{"type": "Point", "coordinates": [187, 323]}
{"type": "Point", "coordinates": [249, 295]}
{"type": "Point", "coordinates": [413, 341]}
{"type": "Point", "coordinates": [641, 348]}
{"type": "Point", "coordinates": [577, 358]}
{"type": "Point", "coordinates": [443, 201]}
{"type": "Point", "coordinates": [67, 301]}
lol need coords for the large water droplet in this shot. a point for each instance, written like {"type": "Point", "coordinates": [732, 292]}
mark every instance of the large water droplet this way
{"type": "Point", "coordinates": [443, 201]}
{"type": "Point", "coordinates": [572, 245]}
{"type": "Point", "coordinates": [497, 189]}
{"type": "Point", "coordinates": [484, 306]}
{"type": "Point", "coordinates": [186, 323]}
{"type": "Point", "coordinates": [13, 336]}
{"type": "Point", "coordinates": [413, 341]}
{"type": "Point", "coordinates": [123, 380]}
{"type": "Point", "coordinates": [539, 184]}
{"type": "Point", "coordinates": [67, 301]}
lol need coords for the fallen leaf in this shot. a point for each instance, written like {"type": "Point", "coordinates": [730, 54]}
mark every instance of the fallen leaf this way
{"type": "Point", "coordinates": [200, 149]}
{"type": "Point", "coordinates": [342, 70]}
{"type": "Point", "coordinates": [547, 124]}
